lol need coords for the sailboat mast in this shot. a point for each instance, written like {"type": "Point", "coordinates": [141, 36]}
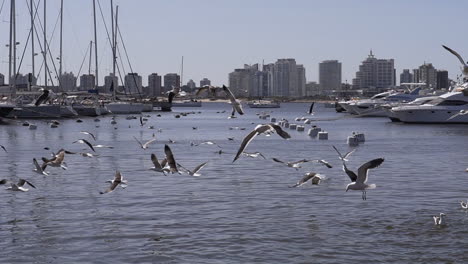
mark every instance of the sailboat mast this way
{"type": "Point", "coordinates": [61, 50]}
{"type": "Point", "coordinates": [10, 51]}
{"type": "Point", "coordinates": [90, 56]}
{"type": "Point", "coordinates": [32, 39]}
{"type": "Point", "coordinates": [46, 69]}
{"type": "Point", "coordinates": [182, 73]}
{"type": "Point", "coordinates": [95, 44]}
{"type": "Point", "coordinates": [114, 38]}
{"type": "Point", "coordinates": [113, 50]}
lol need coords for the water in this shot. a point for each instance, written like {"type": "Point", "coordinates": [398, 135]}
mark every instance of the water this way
{"type": "Point", "coordinates": [235, 213]}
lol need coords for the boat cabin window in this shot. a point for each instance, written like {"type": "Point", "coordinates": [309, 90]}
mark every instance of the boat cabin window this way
{"type": "Point", "coordinates": [440, 101]}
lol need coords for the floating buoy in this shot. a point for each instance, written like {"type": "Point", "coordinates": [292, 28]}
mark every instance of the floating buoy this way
{"type": "Point", "coordinates": [313, 132]}
{"type": "Point", "coordinates": [323, 135]}
{"type": "Point", "coordinates": [272, 119]}
{"type": "Point", "coordinates": [352, 141]}
{"type": "Point", "coordinates": [292, 126]}
{"type": "Point", "coordinates": [32, 127]}
{"type": "Point", "coordinates": [300, 128]}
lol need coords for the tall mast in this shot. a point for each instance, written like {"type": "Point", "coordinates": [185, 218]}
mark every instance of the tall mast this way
{"type": "Point", "coordinates": [113, 50]}
{"type": "Point", "coordinates": [114, 38]}
{"type": "Point", "coordinates": [32, 39]}
{"type": "Point", "coordinates": [45, 46]}
{"type": "Point", "coordinates": [60, 56]}
{"type": "Point", "coordinates": [182, 72]}
{"type": "Point", "coordinates": [14, 46]}
{"type": "Point", "coordinates": [95, 44]}
{"type": "Point", "coordinates": [90, 56]}
{"type": "Point", "coordinates": [10, 51]}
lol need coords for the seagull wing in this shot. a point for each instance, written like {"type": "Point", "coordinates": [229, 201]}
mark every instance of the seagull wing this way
{"type": "Point", "coordinates": [4, 181]}
{"type": "Point", "coordinates": [59, 157]}
{"type": "Point", "coordinates": [304, 179]}
{"type": "Point", "coordinates": [348, 154]}
{"type": "Point", "coordinates": [456, 54]}
{"type": "Point", "coordinates": [139, 142]}
{"type": "Point", "coordinates": [88, 133]}
{"type": "Point", "coordinates": [230, 95]}
{"type": "Point", "coordinates": [155, 161]}
{"type": "Point", "coordinates": [36, 164]}
{"type": "Point", "coordinates": [170, 159]}
{"type": "Point", "coordinates": [363, 170]}
{"type": "Point", "coordinates": [148, 142]}
{"type": "Point", "coordinates": [280, 131]}
{"type": "Point", "coordinates": [199, 167]}
{"type": "Point", "coordinates": [341, 156]}
{"type": "Point", "coordinates": [21, 182]}
{"type": "Point", "coordinates": [324, 162]}
{"type": "Point", "coordinates": [4, 149]}
{"type": "Point", "coordinates": [298, 162]}
{"type": "Point", "coordinates": [163, 163]}
{"type": "Point", "coordinates": [238, 107]}
{"type": "Point", "coordinates": [311, 108]}
{"type": "Point", "coordinates": [260, 154]}
{"type": "Point", "coordinates": [350, 173]}
{"type": "Point", "coordinates": [245, 142]}
{"type": "Point", "coordinates": [115, 183]}
{"type": "Point", "coordinates": [184, 169]}
{"type": "Point", "coordinates": [201, 89]}
{"type": "Point", "coordinates": [277, 160]}
{"type": "Point", "coordinates": [141, 121]}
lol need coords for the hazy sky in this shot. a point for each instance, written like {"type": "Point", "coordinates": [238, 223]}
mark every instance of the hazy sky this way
{"type": "Point", "coordinates": [217, 36]}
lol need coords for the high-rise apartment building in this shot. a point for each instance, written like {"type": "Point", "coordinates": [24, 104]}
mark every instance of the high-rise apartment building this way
{"type": "Point", "coordinates": [330, 75]}
{"type": "Point", "coordinates": [375, 73]}
{"type": "Point", "coordinates": [406, 76]}
{"type": "Point", "coordinates": [67, 82]}
{"type": "Point", "coordinates": [428, 75]}
{"type": "Point", "coordinates": [154, 85]}
{"type": "Point", "coordinates": [133, 83]}
{"type": "Point", "coordinates": [204, 82]}
{"type": "Point", "coordinates": [245, 82]}
{"type": "Point", "coordinates": [87, 82]}
{"type": "Point", "coordinates": [171, 80]}
{"type": "Point", "coordinates": [191, 84]}
{"type": "Point", "coordinates": [108, 83]}
{"type": "Point", "coordinates": [442, 79]}
{"type": "Point", "coordinates": [2, 79]}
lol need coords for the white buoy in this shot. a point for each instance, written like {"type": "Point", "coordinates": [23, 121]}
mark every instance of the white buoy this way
{"type": "Point", "coordinates": [360, 137]}
{"type": "Point", "coordinates": [272, 119]}
{"type": "Point", "coordinates": [307, 121]}
{"type": "Point", "coordinates": [297, 119]}
{"type": "Point", "coordinates": [323, 135]}
{"type": "Point", "coordinates": [32, 127]}
{"type": "Point", "coordinates": [300, 128]}
{"type": "Point", "coordinates": [53, 125]}
{"type": "Point", "coordinates": [313, 132]}
{"type": "Point", "coordinates": [286, 124]}
{"type": "Point", "coordinates": [293, 126]}
{"type": "Point", "coordinates": [352, 141]}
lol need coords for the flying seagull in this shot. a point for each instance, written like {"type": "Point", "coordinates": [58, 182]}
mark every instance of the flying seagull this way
{"type": "Point", "coordinates": [39, 169]}
{"type": "Point", "coordinates": [158, 166]}
{"type": "Point", "coordinates": [88, 133]}
{"type": "Point", "coordinates": [3, 147]}
{"type": "Point", "coordinates": [56, 161]}
{"type": "Point", "coordinates": [254, 154]}
{"type": "Point", "coordinates": [144, 146]}
{"type": "Point", "coordinates": [439, 219]}
{"type": "Point", "coordinates": [359, 181]}
{"type": "Point", "coordinates": [211, 90]}
{"type": "Point", "coordinates": [84, 141]}
{"type": "Point", "coordinates": [345, 156]}
{"type": "Point", "coordinates": [462, 112]}
{"type": "Point", "coordinates": [293, 164]}
{"type": "Point", "coordinates": [193, 172]}
{"type": "Point", "coordinates": [17, 186]}
{"type": "Point", "coordinates": [312, 176]}
{"type": "Point", "coordinates": [323, 162]}
{"type": "Point", "coordinates": [44, 96]}
{"type": "Point", "coordinates": [118, 179]}
{"type": "Point", "coordinates": [465, 66]}
{"type": "Point", "coordinates": [170, 159]}
{"type": "Point", "coordinates": [236, 105]}
{"type": "Point", "coordinates": [311, 109]}
{"type": "Point", "coordinates": [260, 129]}
{"type": "Point", "coordinates": [102, 146]}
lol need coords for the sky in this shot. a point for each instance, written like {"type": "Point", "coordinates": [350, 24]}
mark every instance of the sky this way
{"type": "Point", "coordinates": [217, 36]}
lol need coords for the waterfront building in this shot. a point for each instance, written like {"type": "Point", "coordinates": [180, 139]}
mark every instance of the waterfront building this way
{"type": "Point", "coordinates": [171, 80]}
{"type": "Point", "coordinates": [108, 82]}
{"type": "Point", "coordinates": [442, 79]}
{"type": "Point", "coordinates": [133, 83]}
{"type": "Point", "coordinates": [2, 79]}
{"type": "Point", "coordinates": [191, 84]}
{"type": "Point", "coordinates": [330, 75]}
{"type": "Point", "coordinates": [87, 82]}
{"type": "Point", "coordinates": [301, 81]}
{"type": "Point", "coordinates": [312, 89]}
{"type": "Point", "coordinates": [154, 85]}
{"type": "Point", "coordinates": [204, 82]}
{"type": "Point", "coordinates": [245, 82]}
{"type": "Point", "coordinates": [375, 74]}
{"type": "Point", "coordinates": [67, 82]}
{"type": "Point", "coordinates": [406, 76]}
{"type": "Point", "coordinates": [428, 75]}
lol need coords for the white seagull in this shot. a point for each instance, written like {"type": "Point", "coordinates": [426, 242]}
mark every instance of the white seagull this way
{"type": "Point", "coordinates": [292, 164]}
{"type": "Point", "coordinates": [359, 181]}
{"type": "Point", "coordinates": [144, 146]}
{"type": "Point", "coordinates": [56, 161]}
{"type": "Point", "coordinates": [462, 112]}
{"type": "Point", "coordinates": [195, 171]}
{"type": "Point", "coordinates": [39, 169]}
{"type": "Point", "coordinates": [439, 219]}
{"type": "Point", "coordinates": [260, 129]}
{"type": "Point", "coordinates": [236, 105]}
{"type": "Point", "coordinates": [159, 167]}
{"type": "Point", "coordinates": [253, 155]}
{"type": "Point", "coordinates": [84, 141]}
{"type": "Point", "coordinates": [345, 156]}
{"type": "Point", "coordinates": [465, 66]}
{"type": "Point", "coordinates": [17, 186]}
{"type": "Point", "coordinates": [118, 179]}
{"type": "Point", "coordinates": [170, 159]}
{"type": "Point", "coordinates": [315, 178]}
{"type": "Point", "coordinates": [88, 133]}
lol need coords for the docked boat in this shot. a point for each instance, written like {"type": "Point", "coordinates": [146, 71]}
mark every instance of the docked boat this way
{"type": "Point", "coordinates": [263, 104]}
{"type": "Point", "coordinates": [31, 111]}
{"type": "Point", "coordinates": [418, 101]}
{"type": "Point", "coordinates": [6, 108]}
{"type": "Point", "coordinates": [187, 103]}
{"type": "Point", "coordinates": [122, 107]}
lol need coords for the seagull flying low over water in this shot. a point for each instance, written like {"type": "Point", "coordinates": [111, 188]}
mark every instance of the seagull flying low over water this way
{"type": "Point", "coordinates": [144, 146]}
{"type": "Point", "coordinates": [312, 176]}
{"type": "Point", "coordinates": [292, 164]}
{"type": "Point", "coordinates": [170, 159]}
{"type": "Point", "coordinates": [84, 141]}
{"type": "Point", "coordinates": [38, 169]}
{"type": "Point", "coordinates": [88, 133]}
{"type": "Point", "coordinates": [253, 155]}
{"type": "Point", "coordinates": [195, 171]}
{"type": "Point", "coordinates": [359, 181]}
{"type": "Point", "coordinates": [311, 109]}
{"type": "Point", "coordinates": [236, 105]}
{"type": "Point", "coordinates": [260, 129]}
{"type": "Point", "coordinates": [159, 167]}
{"type": "Point", "coordinates": [56, 161]}
{"type": "Point", "coordinates": [345, 156]}
{"type": "Point", "coordinates": [439, 219]}
{"type": "Point", "coordinates": [118, 179]}
{"type": "Point", "coordinates": [3, 148]}
{"type": "Point", "coordinates": [17, 186]}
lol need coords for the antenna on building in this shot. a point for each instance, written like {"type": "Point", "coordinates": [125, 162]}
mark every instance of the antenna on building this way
{"type": "Point", "coordinates": [371, 55]}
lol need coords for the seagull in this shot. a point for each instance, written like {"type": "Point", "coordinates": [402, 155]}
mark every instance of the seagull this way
{"type": "Point", "coordinates": [465, 66]}
{"type": "Point", "coordinates": [211, 90]}
{"type": "Point", "coordinates": [260, 129]}
{"type": "Point", "coordinates": [254, 154]}
{"type": "Point", "coordinates": [314, 177]}
{"type": "Point", "coordinates": [144, 146]}
{"type": "Point", "coordinates": [3, 147]}
{"type": "Point", "coordinates": [118, 179]}
{"type": "Point", "coordinates": [102, 146]}
{"type": "Point", "coordinates": [464, 204]}
{"type": "Point", "coordinates": [236, 106]}
{"type": "Point", "coordinates": [193, 172]}
{"type": "Point", "coordinates": [56, 161]}
{"type": "Point", "coordinates": [170, 159]}
{"type": "Point", "coordinates": [311, 109]}
{"type": "Point", "coordinates": [294, 164]}
{"type": "Point", "coordinates": [44, 96]}
{"type": "Point", "coordinates": [17, 186]}
{"type": "Point", "coordinates": [345, 156]}
{"type": "Point", "coordinates": [230, 138]}
{"type": "Point", "coordinates": [324, 162]}
{"type": "Point", "coordinates": [84, 141]}
{"type": "Point", "coordinates": [88, 133]}
{"type": "Point", "coordinates": [439, 219]}
{"type": "Point", "coordinates": [158, 166]}
{"type": "Point", "coordinates": [171, 141]}
{"type": "Point", "coordinates": [204, 143]}
{"type": "Point", "coordinates": [88, 155]}
{"type": "Point", "coordinates": [359, 181]}
{"type": "Point", "coordinates": [39, 169]}
{"type": "Point", "coordinates": [462, 112]}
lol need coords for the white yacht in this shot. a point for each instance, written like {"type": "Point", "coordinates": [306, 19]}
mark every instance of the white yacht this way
{"type": "Point", "coordinates": [418, 101]}
{"type": "Point", "coordinates": [264, 104]}
{"type": "Point", "coordinates": [122, 107]}
{"type": "Point", "coordinates": [439, 110]}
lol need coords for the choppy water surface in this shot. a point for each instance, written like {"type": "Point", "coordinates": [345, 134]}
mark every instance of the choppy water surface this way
{"type": "Point", "coordinates": [235, 213]}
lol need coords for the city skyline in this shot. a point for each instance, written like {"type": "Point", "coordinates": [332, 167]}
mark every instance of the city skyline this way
{"type": "Point", "coordinates": [216, 37]}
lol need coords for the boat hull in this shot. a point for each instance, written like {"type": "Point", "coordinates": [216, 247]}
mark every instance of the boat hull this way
{"type": "Point", "coordinates": [124, 108]}
{"type": "Point", "coordinates": [32, 111]}
{"type": "Point", "coordinates": [429, 115]}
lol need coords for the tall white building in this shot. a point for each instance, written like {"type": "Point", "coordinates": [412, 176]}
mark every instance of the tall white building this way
{"type": "Point", "coordinates": [87, 82]}
{"type": "Point", "coordinates": [154, 85]}
{"type": "Point", "coordinates": [245, 82]}
{"type": "Point", "coordinates": [204, 82]}
{"type": "Point", "coordinates": [301, 80]}
{"type": "Point", "coordinates": [428, 75]}
{"type": "Point", "coordinates": [375, 74]}
{"type": "Point", "coordinates": [67, 82]}
{"type": "Point", "coordinates": [330, 75]}
{"type": "Point", "coordinates": [133, 83]}
{"type": "Point", "coordinates": [108, 82]}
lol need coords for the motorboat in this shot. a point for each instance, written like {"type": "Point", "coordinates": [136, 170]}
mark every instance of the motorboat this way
{"type": "Point", "coordinates": [418, 101]}
{"type": "Point", "coordinates": [263, 104]}
{"type": "Point", "coordinates": [124, 107]}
